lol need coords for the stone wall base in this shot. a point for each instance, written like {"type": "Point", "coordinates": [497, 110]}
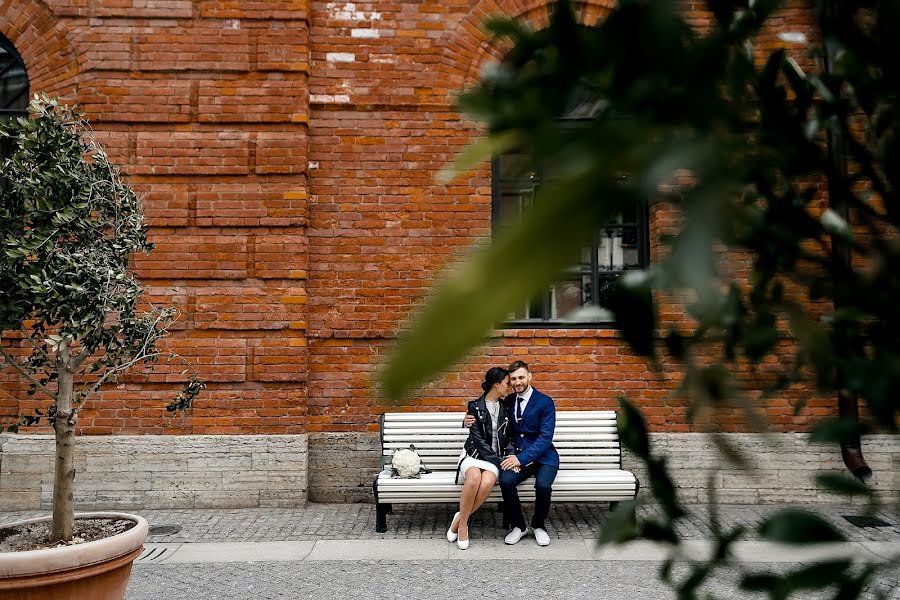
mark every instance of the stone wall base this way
{"type": "Point", "coordinates": [159, 471]}
{"type": "Point", "coordinates": [246, 471]}
{"type": "Point", "coordinates": [343, 466]}
{"type": "Point", "coordinates": [780, 468]}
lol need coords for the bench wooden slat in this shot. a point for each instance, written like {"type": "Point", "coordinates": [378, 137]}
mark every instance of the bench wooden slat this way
{"type": "Point", "coordinates": [457, 424]}
{"type": "Point", "coordinates": [453, 452]}
{"type": "Point", "coordinates": [567, 455]}
{"type": "Point", "coordinates": [524, 497]}
{"type": "Point", "coordinates": [612, 463]}
{"type": "Point", "coordinates": [438, 436]}
{"type": "Point", "coordinates": [561, 415]}
{"type": "Point", "coordinates": [445, 477]}
{"type": "Point", "coordinates": [578, 443]}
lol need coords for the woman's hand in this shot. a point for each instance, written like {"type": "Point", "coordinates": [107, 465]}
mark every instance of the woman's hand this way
{"type": "Point", "coordinates": [469, 420]}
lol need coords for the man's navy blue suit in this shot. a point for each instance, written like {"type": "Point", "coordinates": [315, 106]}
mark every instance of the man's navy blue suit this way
{"type": "Point", "coordinates": [534, 443]}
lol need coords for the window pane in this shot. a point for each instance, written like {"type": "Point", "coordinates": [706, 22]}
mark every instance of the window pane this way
{"type": "Point", "coordinates": [13, 80]}
{"type": "Point", "coordinates": [513, 204]}
{"type": "Point", "coordinates": [618, 249]}
{"type": "Point", "coordinates": [513, 166]}
{"type": "Point", "coordinates": [13, 90]}
{"type": "Point", "coordinates": [568, 296]}
{"type": "Point", "coordinates": [629, 215]}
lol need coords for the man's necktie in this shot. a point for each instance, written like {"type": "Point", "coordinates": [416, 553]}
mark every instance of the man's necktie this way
{"type": "Point", "coordinates": [519, 409]}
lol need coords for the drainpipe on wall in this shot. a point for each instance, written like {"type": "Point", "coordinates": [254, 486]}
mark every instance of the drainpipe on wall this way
{"type": "Point", "coordinates": [848, 402]}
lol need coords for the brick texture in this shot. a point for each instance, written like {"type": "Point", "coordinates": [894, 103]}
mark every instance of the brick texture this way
{"type": "Point", "coordinates": [205, 107]}
{"type": "Point", "coordinates": [286, 152]}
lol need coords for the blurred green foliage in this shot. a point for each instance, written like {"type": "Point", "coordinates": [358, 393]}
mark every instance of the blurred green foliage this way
{"type": "Point", "coordinates": [799, 169]}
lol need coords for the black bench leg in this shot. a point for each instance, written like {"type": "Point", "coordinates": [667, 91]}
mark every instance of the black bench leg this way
{"type": "Point", "coordinates": [381, 512]}
{"type": "Point", "coordinates": [612, 506]}
{"type": "Point", "coordinates": [502, 509]}
{"type": "Point", "coordinates": [388, 508]}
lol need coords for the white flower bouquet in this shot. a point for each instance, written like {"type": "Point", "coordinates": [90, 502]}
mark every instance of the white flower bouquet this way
{"type": "Point", "coordinates": [406, 463]}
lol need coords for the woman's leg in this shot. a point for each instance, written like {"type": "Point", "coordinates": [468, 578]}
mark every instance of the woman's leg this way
{"type": "Point", "coordinates": [467, 500]}
{"type": "Point", "coordinates": [488, 479]}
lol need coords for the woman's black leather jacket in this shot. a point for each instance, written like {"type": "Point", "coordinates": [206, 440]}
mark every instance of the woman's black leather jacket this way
{"type": "Point", "coordinates": [478, 445]}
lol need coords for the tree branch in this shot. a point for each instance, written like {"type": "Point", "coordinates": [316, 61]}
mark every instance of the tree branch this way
{"type": "Point", "coordinates": [141, 355]}
{"type": "Point", "coordinates": [80, 358]}
{"type": "Point", "coordinates": [116, 371]}
{"type": "Point", "coordinates": [33, 343]}
{"type": "Point", "coordinates": [29, 376]}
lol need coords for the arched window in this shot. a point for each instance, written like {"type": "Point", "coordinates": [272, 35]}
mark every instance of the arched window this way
{"type": "Point", "coordinates": [13, 86]}
{"type": "Point", "coordinates": [622, 245]}
{"type": "Point", "coordinates": [13, 81]}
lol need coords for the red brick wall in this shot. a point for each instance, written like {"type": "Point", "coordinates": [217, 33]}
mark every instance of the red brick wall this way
{"type": "Point", "coordinates": [205, 105]}
{"type": "Point", "coordinates": [380, 226]}
{"type": "Point", "coordinates": [287, 152]}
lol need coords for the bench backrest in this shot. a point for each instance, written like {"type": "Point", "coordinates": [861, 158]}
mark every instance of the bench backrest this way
{"type": "Point", "coordinates": [585, 439]}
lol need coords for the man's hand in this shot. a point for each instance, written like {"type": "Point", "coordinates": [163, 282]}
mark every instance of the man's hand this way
{"type": "Point", "coordinates": [469, 420]}
{"type": "Point", "coordinates": [510, 462]}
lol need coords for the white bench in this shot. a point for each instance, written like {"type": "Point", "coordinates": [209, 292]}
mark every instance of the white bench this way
{"type": "Point", "coordinates": [587, 442]}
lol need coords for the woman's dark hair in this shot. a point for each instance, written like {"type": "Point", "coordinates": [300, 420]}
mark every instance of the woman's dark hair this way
{"type": "Point", "coordinates": [493, 375]}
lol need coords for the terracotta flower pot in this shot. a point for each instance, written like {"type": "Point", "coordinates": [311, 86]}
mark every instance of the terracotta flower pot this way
{"type": "Point", "coordinates": [97, 570]}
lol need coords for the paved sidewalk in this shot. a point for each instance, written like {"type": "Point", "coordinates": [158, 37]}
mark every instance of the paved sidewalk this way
{"type": "Point", "coordinates": [429, 521]}
{"type": "Point", "coordinates": [333, 551]}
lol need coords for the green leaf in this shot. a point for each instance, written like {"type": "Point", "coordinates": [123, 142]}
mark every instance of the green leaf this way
{"type": "Point", "coordinates": [632, 429]}
{"type": "Point", "coordinates": [631, 302]}
{"type": "Point", "coordinates": [797, 526]}
{"type": "Point", "coordinates": [479, 152]}
{"type": "Point", "coordinates": [760, 582]}
{"type": "Point", "coordinates": [836, 431]}
{"type": "Point", "coordinates": [514, 29]}
{"type": "Point", "coordinates": [659, 532]}
{"type": "Point", "coordinates": [731, 452]}
{"type": "Point", "coordinates": [621, 526]}
{"type": "Point", "coordinates": [845, 485]}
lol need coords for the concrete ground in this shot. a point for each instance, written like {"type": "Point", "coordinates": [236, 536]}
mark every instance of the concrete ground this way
{"type": "Point", "coordinates": [332, 551]}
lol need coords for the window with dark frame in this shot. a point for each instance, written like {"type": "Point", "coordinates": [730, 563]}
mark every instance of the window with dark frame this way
{"type": "Point", "coordinates": [14, 87]}
{"type": "Point", "coordinates": [575, 300]}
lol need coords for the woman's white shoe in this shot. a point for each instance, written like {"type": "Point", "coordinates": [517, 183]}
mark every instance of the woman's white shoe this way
{"type": "Point", "coordinates": [462, 544]}
{"type": "Point", "coordinates": [451, 535]}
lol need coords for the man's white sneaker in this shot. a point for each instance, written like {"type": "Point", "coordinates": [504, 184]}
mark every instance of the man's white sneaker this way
{"type": "Point", "coordinates": [541, 537]}
{"type": "Point", "coordinates": [515, 535]}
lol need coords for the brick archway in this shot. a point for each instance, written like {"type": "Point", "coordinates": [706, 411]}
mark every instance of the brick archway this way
{"type": "Point", "coordinates": [43, 42]}
{"type": "Point", "coordinates": [472, 47]}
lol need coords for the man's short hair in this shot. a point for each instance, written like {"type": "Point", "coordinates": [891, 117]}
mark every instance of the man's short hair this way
{"type": "Point", "coordinates": [518, 364]}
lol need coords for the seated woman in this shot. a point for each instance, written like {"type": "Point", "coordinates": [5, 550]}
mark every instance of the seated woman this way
{"type": "Point", "coordinates": [489, 441]}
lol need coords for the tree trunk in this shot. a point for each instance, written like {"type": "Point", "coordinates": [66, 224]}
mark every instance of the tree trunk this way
{"type": "Point", "coordinates": [64, 474]}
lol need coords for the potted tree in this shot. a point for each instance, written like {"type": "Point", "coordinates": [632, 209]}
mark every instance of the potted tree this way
{"type": "Point", "coordinates": [69, 322]}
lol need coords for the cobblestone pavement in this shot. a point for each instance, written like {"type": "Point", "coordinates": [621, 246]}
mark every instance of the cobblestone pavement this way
{"type": "Point", "coordinates": [457, 580]}
{"type": "Point", "coordinates": [432, 579]}
{"type": "Point", "coordinates": [427, 521]}
{"type": "Point", "coordinates": [424, 521]}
